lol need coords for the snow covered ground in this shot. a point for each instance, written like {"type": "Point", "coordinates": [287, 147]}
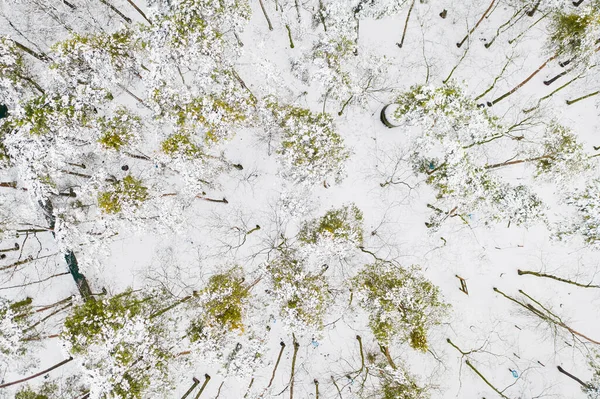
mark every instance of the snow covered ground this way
{"type": "Point", "coordinates": [486, 346]}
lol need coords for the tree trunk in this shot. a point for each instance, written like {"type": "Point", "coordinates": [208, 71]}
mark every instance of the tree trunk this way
{"type": "Point", "coordinates": [224, 200]}
{"type": "Point", "coordinates": [22, 262]}
{"type": "Point", "coordinates": [468, 363]}
{"type": "Point", "coordinates": [534, 9]}
{"type": "Point", "coordinates": [554, 79]}
{"type": "Point", "coordinates": [116, 11]}
{"type": "Point", "coordinates": [476, 25]}
{"type": "Point", "coordinates": [14, 248]}
{"type": "Point", "coordinates": [572, 377]}
{"type": "Point", "coordinates": [264, 10]}
{"type": "Point", "coordinates": [524, 272]}
{"type": "Point", "coordinates": [164, 310]}
{"type": "Point", "coordinates": [41, 57]}
{"type": "Point", "coordinates": [282, 344]}
{"type": "Point", "coordinates": [296, 347]}
{"type": "Point", "coordinates": [570, 102]}
{"type": "Point", "coordinates": [57, 365]}
{"type": "Point", "coordinates": [385, 350]}
{"type": "Point", "coordinates": [517, 161]}
{"type": "Point", "coordinates": [206, 380]}
{"type": "Point", "coordinates": [510, 24]}
{"type": "Point", "coordinates": [502, 97]}
{"type": "Point", "coordinates": [34, 282]}
{"type": "Point", "coordinates": [139, 11]}
{"type": "Point", "coordinates": [290, 36]}
{"type": "Point", "coordinates": [527, 29]}
{"type": "Point", "coordinates": [406, 24]}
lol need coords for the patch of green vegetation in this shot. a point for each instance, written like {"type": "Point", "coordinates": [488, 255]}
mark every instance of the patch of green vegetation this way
{"type": "Point", "coordinates": [88, 320]}
{"type": "Point", "coordinates": [46, 391]}
{"type": "Point", "coordinates": [568, 30]}
{"type": "Point", "coordinates": [22, 305]}
{"type": "Point", "coordinates": [308, 138]}
{"type": "Point", "coordinates": [392, 389]}
{"type": "Point", "coordinates": [344, 223]}
{"type": "Point", "coordinates": [448, 100]}
{"type": "Point", "coordinates": [100, 321]}
{"type": "Point", "coordinates": [131, 387]}
{"type": "Point", "coordinates": [196, 331]}
{"type": "Point", "coordinates": [118, 45]}
{"type": "Point", "coordinates": [43, 114]}
{"type": "Point", "coordinates": [199, 110]}
{"type": "Point", "coordinates": [14, 66]}
{"type": "Point", "coordinates": [48, 181]}
{"type": "Point", "coordinates": [418, 339]}
{"type": "Point", "coordinates": [561, 144]}
{"type": "Point", "coordinates": [307, 294]}
{"type": "Point", "coordinates": [129, 190]}
{"type": "Point", "coordinates": [401, 302]}
{"type": "Point", "coordinates": [118, 131]}
{"type": "Point", "coordinates": [228, 295]}
{"type": "Point", "coordinates": [335, 52]}
{"type": "Point", "coordinates": [181, 143]}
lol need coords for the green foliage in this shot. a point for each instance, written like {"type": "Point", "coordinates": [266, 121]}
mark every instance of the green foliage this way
{"type": "Point", "coordinates": [199, 110]}
{"type": "Point", "coordinates": [561, 150]}
{"type": "Point", "coordinates": [418, 339]}
{"type": "Point", "coordinates": [335, 52]}
{"type": "Point", "coordinates": [44, 114]}
{"type": "Point", "coordinates": [135, 340]}
{"type": "Point", "coordinates": [11, 60]}
{"type": "Point", "coordinates": [211, 117]}
{"type": "Point", "coordinates": [569, 30]}
{"type": "Point", "coordinates": [344, 223]}
{"type": "Point", "coordinates": [46, 391]}
{"type": "Point", "coordinates": [408, 389]}
{"type": "Point", "coordinates": [180, 143]}
{"type": "Point", "coordinates": [190, 24]}
{"type": "Point", "coordinates": [47, 180]}
{"type": "Point", "coordinates": [196, 331]}
{"type": "Point", "coordinates": [87, 321]}
{"type": "Point", "coordinates": [131, 387]}
{"type": "Point", "coordinates": [118, 45]}
{"type": "Point", "coordinates": [304, 296]}
{"type": "Point", "coordinates": [401, 302]}
{"type": "Point", "coordinates": [127, 191]}
{"type": "Point", "coordinates": [447, 100]}
{"type": "Point", "coordinates": [309, 140]}
{"type": "Point", "coordinates": [22, 305]}
{"type": "Point", "coordinates": [118, 131]}
{"type": "Point", "coordinates": [227, 295]}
